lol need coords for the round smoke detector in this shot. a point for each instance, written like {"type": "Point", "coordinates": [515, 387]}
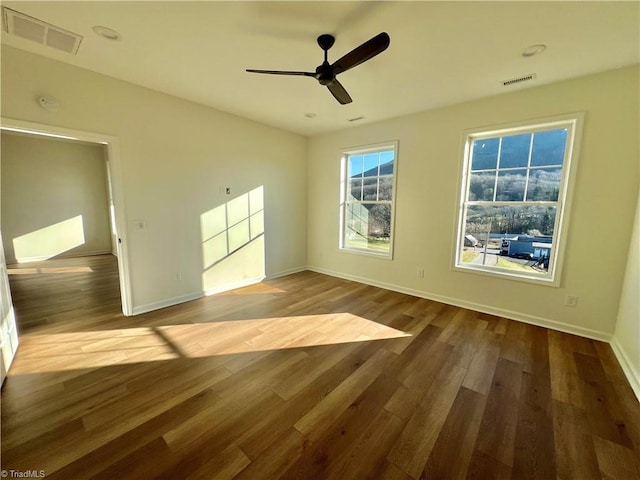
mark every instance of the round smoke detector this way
{"type": "Point", "coordinates": [106, 32]}
{"type": "Point", "coordinates": [534, 50]}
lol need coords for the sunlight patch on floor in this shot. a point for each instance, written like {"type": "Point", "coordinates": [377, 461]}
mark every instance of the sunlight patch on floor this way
{"type": "Point", "coordinates": [257, 288]}
{"type": "Point", "coordinates": [39, 270]}
{"type": "Point", "coordinates": [78, 350]}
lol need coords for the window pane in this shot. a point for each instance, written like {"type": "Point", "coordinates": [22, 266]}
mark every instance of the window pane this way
{"type": "Point", "coordinates": [386, 162]}
{"type": "Point", "coordinates": [516, 238]}
{"type": "Point", "coordinates": [544, 184]}
{"type": "Point", "coordinates": [368, 226]}
{"type": "Point", "coordinates": [355, 165]}
{"type": "Point", "coordinates": [386, 188]}
{"type": "Point", "coordinates": [548, 148]}
{"type": "Point", "coordinates": [517, 220]}
{"type": "Point", "coordinates": [380, 220]}
{"type": "Point", "coordinates": [370, 164]}
{"type": "Point", "coordinates": [481, 186]}
{"type": "Point", "coordinates": [354, 189]}
{"type": "Point", "coordinates": [511, 185]}
{"type": "Point", "coordinates": [356, 223]}
{"type": "Point", "coordinates": [485, 154]}
{"type": "Point", "coordinates": [515, 151]}
{"type": "Point", "coordinates": [370, 188]}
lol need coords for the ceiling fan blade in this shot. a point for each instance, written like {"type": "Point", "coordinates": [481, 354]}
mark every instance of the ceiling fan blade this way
{"type": "Point", "coordinates": [281, 72]}
{"type": "Point", "coordinates": [338, 91]}
{"type": "Point", "coordinates": [364, 52]}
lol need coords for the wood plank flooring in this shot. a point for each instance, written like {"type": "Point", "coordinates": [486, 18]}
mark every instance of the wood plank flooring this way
{"type": "Point", "coordinates": [302, 377]}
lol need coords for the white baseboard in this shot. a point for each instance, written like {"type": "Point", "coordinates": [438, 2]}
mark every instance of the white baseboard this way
{"type": "Point", "coordinates": [478, 307]}
{"type": "Point", "coordinates": [62, 255]}
{"type": "Point", "coordinates": [149, 307]}
{"type": "Point", "coordinates": [211, 291]}
{"type": "Point", "coordinates": [627, 366]}
{"type": "Point", "coordinates": [232, 286]}
{"type": "Point", "coordinates": [284, 273]}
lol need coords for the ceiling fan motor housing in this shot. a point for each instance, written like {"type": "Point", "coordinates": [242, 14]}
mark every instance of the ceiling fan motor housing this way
{"type": "Point", "coordinates": [324, 74]}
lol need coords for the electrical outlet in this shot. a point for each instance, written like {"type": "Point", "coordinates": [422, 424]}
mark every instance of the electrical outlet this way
{"type": "Point", "coordinates": [178, 276]}
{"type": "Point", "coordinates": [420, 273]}
{"type": "Point", "coordinates": [139, 224]}
{"type": "Point", "coordinates": [571, 301]}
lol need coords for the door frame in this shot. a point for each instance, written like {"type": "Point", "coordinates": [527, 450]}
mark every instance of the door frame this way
{"type": "Point", "coordinates": [115, 171]}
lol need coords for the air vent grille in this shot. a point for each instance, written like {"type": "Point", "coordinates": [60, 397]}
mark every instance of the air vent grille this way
{"type": "Point", "coordinates": [24, 26]}
{"type": "Point", "coordinates": [27, 29]}
{"type": "Point", "coordinates": [523, 78]}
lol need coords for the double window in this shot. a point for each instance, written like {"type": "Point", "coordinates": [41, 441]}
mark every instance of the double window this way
{"type": "Point", "coordinates": [367, 199]}
{"type": "Point", "coordinates": [514, 199]}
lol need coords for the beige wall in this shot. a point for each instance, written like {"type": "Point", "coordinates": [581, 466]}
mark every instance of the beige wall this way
{"type": "Point", "coordinates": [54, 198]}
{"type": "Point", "coordinates": [429, 163]}
{"type": "Point", "coordinates": [176, 158]}
{"type": "Point", "coordinates": [626, 339]}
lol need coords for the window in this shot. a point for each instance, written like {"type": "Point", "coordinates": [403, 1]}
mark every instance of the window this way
{"type": "Point", "coordinates": [514, 199]}
{"type": "Point", "coordinates": [367, 199]}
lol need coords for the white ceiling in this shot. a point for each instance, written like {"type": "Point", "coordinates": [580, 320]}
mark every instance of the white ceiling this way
{"type": "Point", "coordinates": [441, 53]}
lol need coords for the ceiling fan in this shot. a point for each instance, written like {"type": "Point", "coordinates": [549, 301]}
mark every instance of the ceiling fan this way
{"type": "Point", "coordinates": [326, 73]}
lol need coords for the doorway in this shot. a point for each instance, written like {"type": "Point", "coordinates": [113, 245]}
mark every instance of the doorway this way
{"type": "Point", "coordinates": [111, 165]}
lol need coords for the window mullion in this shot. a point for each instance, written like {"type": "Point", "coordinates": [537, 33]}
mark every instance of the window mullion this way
{"type": "Point", "coordinates": [378, 180]}
{"type": "Point", "coordinates": [495, 180]}
{"type": "Point", "coordinates": [372, 202]}
{"type": "Point", "coordinates": [546, 203]}
{"type": "Point", "coordinates": [526, 181]}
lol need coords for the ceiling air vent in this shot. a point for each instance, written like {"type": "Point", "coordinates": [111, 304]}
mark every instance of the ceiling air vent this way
{"type": "Point", "coordinates": [523, 78]}
{"type": "Point", "coordinates": [21, 25]}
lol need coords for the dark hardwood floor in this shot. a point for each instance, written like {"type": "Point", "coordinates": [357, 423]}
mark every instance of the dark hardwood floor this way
{"type": "Point", "coordinates": [302, 377]}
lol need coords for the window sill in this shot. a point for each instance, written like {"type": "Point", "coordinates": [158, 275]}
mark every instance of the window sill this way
{"type": "Point", "coordinates": [505, 274]}
{"type": "Point", "coordinates": [367, 253]}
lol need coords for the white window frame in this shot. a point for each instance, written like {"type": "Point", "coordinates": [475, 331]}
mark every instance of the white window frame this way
{"type": "Point", "coordinates": [345, 154]}
{"type": "Point", "coordinates": [573, 123]}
